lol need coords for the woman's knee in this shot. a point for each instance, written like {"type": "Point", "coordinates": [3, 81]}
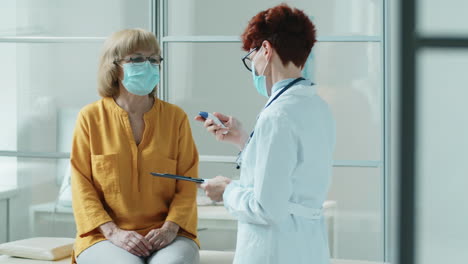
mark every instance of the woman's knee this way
{"type": "Point", "coordinates": [181, 251]}
{"type": "Point", "coordinates": [106, 252]}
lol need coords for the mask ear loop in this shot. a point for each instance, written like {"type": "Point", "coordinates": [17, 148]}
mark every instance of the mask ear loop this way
{"type": "Point", "coordinates": [252, 63]}
{"type": "Point", "coordinates": [264, 69]}
{"type": "Point", "coordinates": [263, 74]}
{"type": "Point", "coordinates": [266, 65]}
{"type": "Point", "coordinates": [118, 66]}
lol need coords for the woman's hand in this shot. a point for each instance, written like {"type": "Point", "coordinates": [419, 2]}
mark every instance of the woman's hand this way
{"type": "Point", "coordinates": [235, 133]}
{"type": "Point", "coordinates": [214, 188]}
{"type": "Point", "coordinates": [162, 237]}
{"type": "Point", "coordinates": [128, 240]}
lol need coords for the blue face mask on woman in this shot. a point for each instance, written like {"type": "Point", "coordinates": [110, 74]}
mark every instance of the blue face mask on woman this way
{"type": "Point", "coordinates": [140, 78]}
{"type": "Point", "coordinates": [259, 80]}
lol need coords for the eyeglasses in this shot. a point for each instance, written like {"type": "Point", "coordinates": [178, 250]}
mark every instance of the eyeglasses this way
{"type": "Point", "coordinates": [155, 60]}
{"type": "Point", "coordinates": [247, 60]}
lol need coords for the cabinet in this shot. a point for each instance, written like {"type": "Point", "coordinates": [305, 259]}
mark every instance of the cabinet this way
{"type": "Point", "coordinates": [6, 193]}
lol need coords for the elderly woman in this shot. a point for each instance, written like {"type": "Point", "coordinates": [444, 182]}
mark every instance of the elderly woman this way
{"type": "Point", "coordinates": [286, 162]}
{"type": "Point", "coordinates": [123, 214]}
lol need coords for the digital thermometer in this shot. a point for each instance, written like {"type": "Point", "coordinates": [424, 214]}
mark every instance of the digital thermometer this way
{"type": "Point", "coordinates": [216, 120]}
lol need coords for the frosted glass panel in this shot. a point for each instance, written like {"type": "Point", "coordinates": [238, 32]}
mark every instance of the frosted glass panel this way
{"type": "Point", "coordinates": [442, 202]}
{"type": "Point", "coordinates": [36, 182]}
{"type": "Point", "coordinates": [211, 77]}
{"type": "Point", "coordinates": [8, 109]}
{"type": "Point", "coordinates": [443, 17]}
{"type": "Point", "coordinates": [349, 78]}
{"type": "Point", "coordinates": [8, 17]}
{"type": "Point", "coordinates": [74, 18]}
{"type": "Point", "coordinates": [358, 193]}
{"type": "Point", "coordinates": [8, 171]}
{"type": "Point", "coordinates": [52, 78]}
{"type": "Point", "coordinates": [332, 17]}
{"type": "Point", "coordinates": [35, 179]}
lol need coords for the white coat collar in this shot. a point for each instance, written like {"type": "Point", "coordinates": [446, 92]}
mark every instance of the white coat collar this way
{"type": "Point", "coordinates": [299, 90]}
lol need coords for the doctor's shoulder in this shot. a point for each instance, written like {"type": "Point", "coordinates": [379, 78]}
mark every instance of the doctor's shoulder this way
{"type": "Point", "coordinates": [311, 108]}
{"type": "Point", "coordinates": [277, 117]}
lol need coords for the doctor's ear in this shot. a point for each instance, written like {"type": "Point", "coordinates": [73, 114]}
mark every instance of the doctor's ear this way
{"type": "Point", "coordinates": [267, 48]}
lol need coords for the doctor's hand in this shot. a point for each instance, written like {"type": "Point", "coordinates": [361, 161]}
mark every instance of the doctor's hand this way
{"type": "Point", "coordinates": [162, 237]}
{"type": "Point", "coordinates": [235, 133]}
{"type": "Point", "coordinates": [214, 188]}
{"type": "Point", "coordinates": [131, 241]}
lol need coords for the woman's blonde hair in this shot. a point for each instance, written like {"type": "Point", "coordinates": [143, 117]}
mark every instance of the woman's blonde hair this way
{"type": "Point", "coordinates": [116, 47]}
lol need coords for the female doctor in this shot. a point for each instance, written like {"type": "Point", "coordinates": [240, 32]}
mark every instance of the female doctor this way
{"type": "Point", "coordinates": [286, 162]}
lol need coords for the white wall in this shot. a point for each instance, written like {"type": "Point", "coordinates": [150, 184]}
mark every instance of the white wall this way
{"type": "Point", "coordinates": [441, 205]}
{"type": "Point", "coordinates": [442, 148]}
{"type": "Point", "coordinates": [443, 18]}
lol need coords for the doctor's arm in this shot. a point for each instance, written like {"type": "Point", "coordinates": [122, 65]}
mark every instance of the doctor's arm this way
{"type": "Point", "coordinates": [275, 161]}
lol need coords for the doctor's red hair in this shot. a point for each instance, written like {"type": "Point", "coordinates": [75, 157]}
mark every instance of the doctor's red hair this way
{"type": "Point", "coordinates": [289, 30]}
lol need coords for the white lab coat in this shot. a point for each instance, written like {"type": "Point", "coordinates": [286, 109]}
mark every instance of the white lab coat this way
{"type": "Point", "coordinates": [285, 176]}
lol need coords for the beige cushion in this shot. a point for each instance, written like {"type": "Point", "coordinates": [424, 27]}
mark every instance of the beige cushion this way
{"type": "Point", "coordinates": [15, 260]}
{"type": "Point", "coordinates": [39, 248]}
{"type": "Point", "coordinates": [227, 257]}
{"type": "Point", "coordinates": [216, 257]}
{"type": "Point", "coordinates": [206, 257]}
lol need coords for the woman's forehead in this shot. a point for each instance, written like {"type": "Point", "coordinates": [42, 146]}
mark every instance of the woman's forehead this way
{"type": "Point", "coordinates": [144, 52]}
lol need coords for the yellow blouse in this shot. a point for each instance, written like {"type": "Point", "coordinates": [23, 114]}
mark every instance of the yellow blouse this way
{"type": "Point", "coordinates": [111, 178]}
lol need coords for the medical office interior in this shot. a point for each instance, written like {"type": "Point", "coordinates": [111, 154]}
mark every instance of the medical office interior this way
{"type": "Point", "coordinates": [49, 52]}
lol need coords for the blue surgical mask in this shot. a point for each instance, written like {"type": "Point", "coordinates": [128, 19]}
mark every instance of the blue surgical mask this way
{"type": "Point", "coordinates": [140, 78]}
{"type": "Point", "coordinates": [259, 80]}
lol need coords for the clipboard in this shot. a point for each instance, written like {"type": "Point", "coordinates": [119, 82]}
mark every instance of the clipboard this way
{"type": "Point", "coordinates": [178, 177]}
